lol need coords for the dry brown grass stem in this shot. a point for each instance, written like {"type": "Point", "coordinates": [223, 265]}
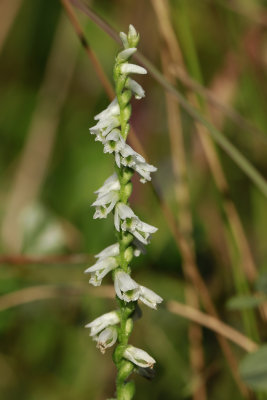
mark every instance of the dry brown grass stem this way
{"type": "Point", "coordinates": [8, 12]}
{"type": "Point", "coordinates": [161, 8]}
{"type": "Point", "coordinates": [185, 249]}
{"type": "Point", "coordinates": [212, 323]}
{"type": "Point", "coordinates": [34, 161]}
{"type": "Point", "coordinates": [167, 32]}
{"type": "Point", "coordinates": [184, 218]}
{"type": "Point", "coordinates": [97, 66]}
{"type": "Point", "coordinates": [211, 97]}
{"type": "Point", "coordinates": [44, 292]}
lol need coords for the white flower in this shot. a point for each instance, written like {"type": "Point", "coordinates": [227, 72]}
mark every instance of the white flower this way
{"type": "Point", "coordinates": [108, 120]}
{"type": "Point", "coordinates": [144, 169]}
{"type": "Point", "coordinates": [106, 338]}
{"type": "Point", "coordinates": [113, 109]}
{"type": "Point", "coordinates": [122, 211]}
{"type": "Point", "coordinates": [125, 54]}
{"type": "Point", "coordinates": [125, 219]}
{"type": "Point", "coordinates": [110, 251]}
{"type": "Point", "coordinates": [113, 142]}
{"type": "Point", "coordinates": [137, 89]}
{"type": "Point", "coordinates": [150, 298]}
{"type": "Point", "coordinates": [134, 160]}
{"type": "Point", "coordinates": [102, 322]}
{"type": "Point", "coordinates": [100, 269]}
{"type": "Point", "coordinates": [139, 357]}
{"type": "Point", "coordinates": [132, 34]}
{"type": "Point", "coordinates": [111, 183]}
{"type": "Point", "coordinates": [108, 196]}
{"type": "Point", "coordinates": [124, 40]}
{"type": "Point", "coordinates": [126, 288]}
{"type": "Point", "coordinates": [128, 68]}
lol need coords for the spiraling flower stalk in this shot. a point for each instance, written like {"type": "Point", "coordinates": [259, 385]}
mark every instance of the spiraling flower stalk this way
{"type": "Point", "coordinates": [132, 234]}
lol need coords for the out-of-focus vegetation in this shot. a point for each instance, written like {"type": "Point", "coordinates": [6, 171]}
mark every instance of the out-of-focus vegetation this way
{"type": "Point", "coordinates": [50, 166]}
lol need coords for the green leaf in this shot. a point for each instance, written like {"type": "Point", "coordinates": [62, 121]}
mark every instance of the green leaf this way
{"type": "Point", "coordinates": [243, 302]}
{"type": "Point", "coordinates": [253, 369]}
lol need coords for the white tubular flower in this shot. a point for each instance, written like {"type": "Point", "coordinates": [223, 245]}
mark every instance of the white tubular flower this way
{"type": "Point", "coordinates": [126, 288]}
{"type": "Point", "coordinates": [124, 40]}
{"type": "Point", "coordinates": [137, 89]}
{"type": "Point", "coordinates": [144, 169]}
{"type": "Point", "coordinates": [107, 120]}
{"type": "Point", "coordinates": [125, 219]}
{"type": "Point", "coordinates": [128, 68]}
{"type": "Point", "coordinates": [106, 338]}
{"type": "Point", "coordinates": [100, 323]}
{"type": "Point", "coordinates": [105, 204]}
{"type": "Point", "coordinates": [139, 357]}
{"type": "Point", "coordinates": [108, 196]}
{"type": "Point", "coordinates": [113, 142]}
{"type": "Point", "coordinates": [125, 54]}
{"type": "Point", "coordinates": [150, 298]}
{"type": "Point", "coordinates": [122, 212]}
{"type": "Point", "coordinates": [134, 160]}
{"type": "Point", "coordinates": [113, 109]}
{"type": "Point", "coordinates": [111, 183]}
{"type": "Point", "coordinates": [100, 269]}
{"type": "Point", "coordinates": [132, 34]}
{"type": "Point", "coordinates": [110, 251]}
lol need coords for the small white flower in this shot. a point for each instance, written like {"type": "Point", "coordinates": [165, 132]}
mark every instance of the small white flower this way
{"type": "Point", "coordinates": [108, 196]}
{"type": "Point", "coordinates": [124, 40]}
{"type": "Point", "coordinates": [126, 288]}
{"type": "Point", "coordinates": [144, 169]}
{"type": "Point", "coordinates": [137, 89]}
{"type": "Point", "coordinates": [139, 357]}
{"type": "Point", "coordinates": [122, 211]}
{"type": "Point", "coordinates": [127, 53]}
{"type": "Point", "coordinates": [125, 219]}
{"type": "Point", "coordinates": [134, 160]}
{"type": "Point", "coordinates": [132, 34]}
{"type": "Point", "coordinates": [111, 183]}
{"type": "Point", "coordinates": [113, 142]}
{"type": "Point", "coordinates": [105, 204]}
{"type": "Point", "coordinates": [106, 338]}
{"type": "Point", "coordinates": [128, 68]}
{"type": "Point", "coordinates": [130, 157]}
{"type": "Point", "coordinates": [100, 269]}
{"type": "Point", "coordinates": [102, 322]}
{"type": "Point", "coordinates": [110, 251]}
{"type": "Point", "coordinates": [113, 109]}
{"type": "Point", "coordinates": [103, 127]}
{"type": "Point", "coordinates": [150, 298]}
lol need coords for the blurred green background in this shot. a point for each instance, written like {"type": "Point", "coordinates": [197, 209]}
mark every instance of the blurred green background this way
{"type": "Point", "coordinates": [50, 166]}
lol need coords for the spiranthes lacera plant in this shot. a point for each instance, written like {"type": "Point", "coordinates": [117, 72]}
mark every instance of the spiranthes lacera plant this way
{"type": "Point", "coordinates": [132, 234]}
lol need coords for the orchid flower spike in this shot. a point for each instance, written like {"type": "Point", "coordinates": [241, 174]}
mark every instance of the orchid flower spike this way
{"type": "Point", "coordinates": [111, 129]}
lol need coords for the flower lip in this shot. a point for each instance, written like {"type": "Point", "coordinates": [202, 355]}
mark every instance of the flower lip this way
{"type": "Point", "coordinates": [139, 357]}
{"type": "Point", "coordinates": [150, 298]}
{"type": "Point", "coordinates": [100, 323]}
{"type": "Point", "coordinates": [126, 288]}
{"type": "Point", "coordinates": [106, 338]}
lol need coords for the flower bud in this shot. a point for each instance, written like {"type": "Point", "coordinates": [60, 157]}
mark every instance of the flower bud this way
{"type": "Point", "coordinates": [125, 370]}
{"type": "Point", "coordinates": [128, 254]}
{"type": "Point", "coordinates": [127, 391]}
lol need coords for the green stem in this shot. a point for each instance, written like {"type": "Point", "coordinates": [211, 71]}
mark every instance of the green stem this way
{"type": "Point", "coordinates": [124, 390]}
